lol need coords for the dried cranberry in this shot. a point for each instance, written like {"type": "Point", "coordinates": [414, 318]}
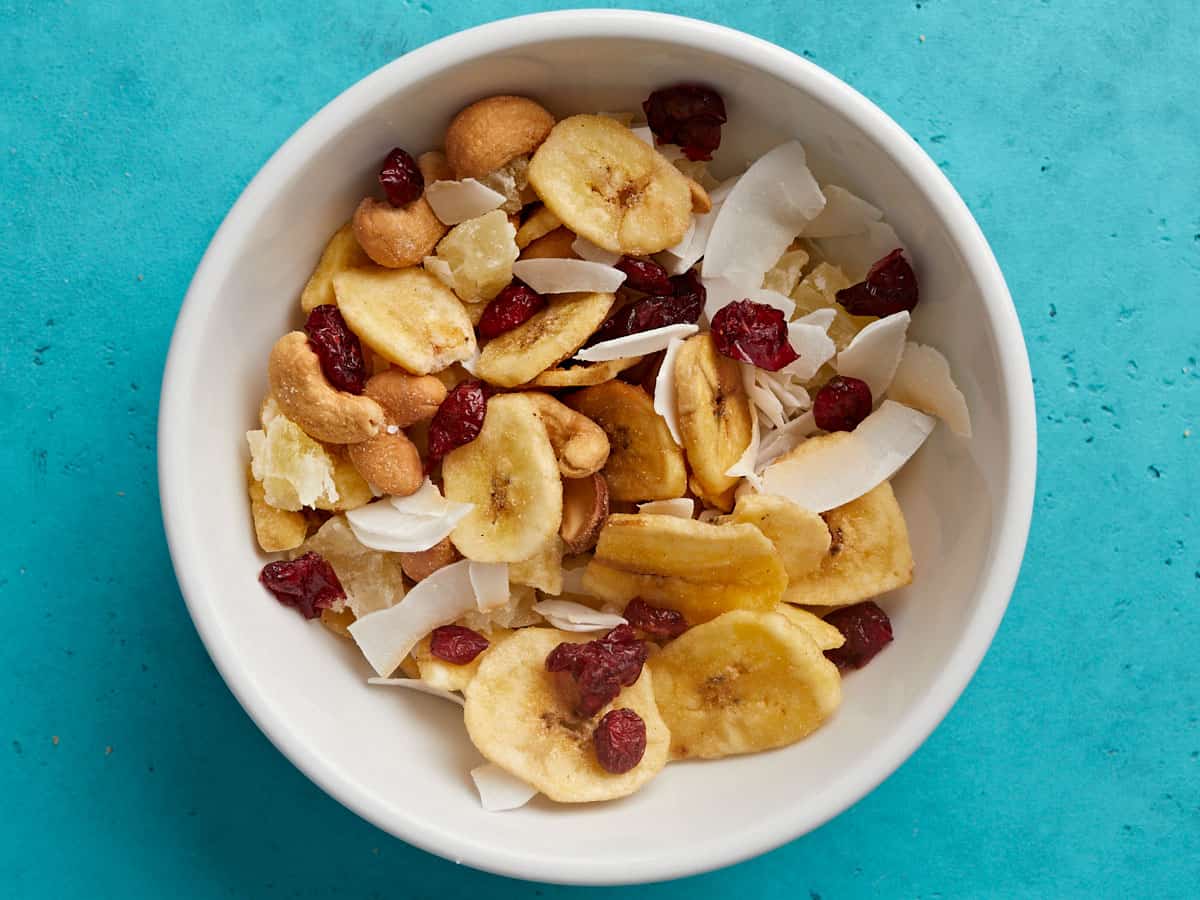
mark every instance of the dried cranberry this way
{"type": "Point", "coordinates": [599, 669]}
{"type": "Point", "coordinates": [682, 306]}
{"type": "Point", "coordinates": [644, 275]}
{"type": "Point", "coordinates": [620, 740]}
{"type": "Point", "coordinates": [456, 644]}
{"type": "Point", "coordinates": [890, 287]}
{"type": "Point", "coordinates": [401, 179]}
{"type": "Point", "coordinates": [307, 583]}
{"type": "Point", "coordinates": [654, 620]}
{"type": "Point", "coordinates": [337, 347]}
{"type": "Point", "coordinates": [867, 630]}
{"type": "Point", "coordinates": [459, 419]}
{"type": "Point", "coordinates": [842, 403]}
{"type": "Point", "coordinates": [689, 115]}
{"type": "Point", "coordinates": [512, 306]}
{"type": "Point", "coordinates": [754, 333]}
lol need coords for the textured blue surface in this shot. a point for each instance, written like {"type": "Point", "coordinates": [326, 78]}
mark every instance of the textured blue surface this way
{"type": "Point", "coordinates": [1071, 766]}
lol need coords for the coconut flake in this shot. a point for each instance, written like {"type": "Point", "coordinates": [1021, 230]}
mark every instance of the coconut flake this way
{"type": "Point", "coordinates": [766, 209]}
{"type": "Point", "coordinates": [721, 292]}
{"type": "Point", "coordinates": [874, 353]}
{"type": "Point", "coordinates": [923, 381]}
{"type": "Point", "coordinates": [664, 390]}
{"type": "Point", "coordinates": [822, 318]}
{"type": "Point", "coordinates": [457, 201]}
{"type": "Point", "coordinates": [490, 583]}
{"type": "Point", "coordinates": [855, 254]}
{"type": "Point", "coordinates": [836, 473]}
{"type": "Point", "coordinates": [566, 276]}
{"type": "Point", "coordinates": [744, 467]}
{"type": "Point", "coordinates": [707, 515]}
{"type": "Point", "coordinates": [590, 252]}
{"type": "Point", "coordinates": [439, 268]}
{"type": "Point", "coordinates": [682, 507]}
{"type": "Point", "coordinates": [678, 259]}
{"type": "Point", "coordinates": [844, 214]}
{"type": "Point", "coordinates": [407, 524]}
{"type": "Point", "coordinates": [814, 346]}
{"type": "Point", "coordinates": [416, 684]}
{"type": "Point", "coordinates": [568, 615]}
{"type": "Point", "coordinates": [766, 403]}
{"type": "Point", "coordinates": [640, 344]}
{"type": "Point", "coordinates": [781, 440]}
{"type": "Point", "coordinates": [388, 636]}
{"type": "Point", "coordinates": [572, 579]}
{"type": "Point", "coordinates": [499, 790]}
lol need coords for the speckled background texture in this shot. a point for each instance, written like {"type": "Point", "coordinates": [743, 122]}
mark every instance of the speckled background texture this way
{"type": "Point", "coordinates": [1071, 765]}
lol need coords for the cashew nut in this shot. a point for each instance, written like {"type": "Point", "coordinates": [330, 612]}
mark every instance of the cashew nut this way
{"type": "Point", "coordinates": [491, 132]}
{"type": "Point", "coordinates": [701, 202]}
{"type": "Point", "coordinates": [389, 460]}
{"type": "Point", "coordinates": [579, 443]}
{"type": "Point", "coordinates": [397, 236]}
{"type": "Point", "coordinates": [308, 399]}
{"type": "Point", "coordinates": [585, 509]}
{"type": "Point", "coordinates": [418, 566]}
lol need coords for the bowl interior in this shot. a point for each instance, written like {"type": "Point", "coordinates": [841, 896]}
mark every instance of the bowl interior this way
{"type": "Point", "coordinates": [400, 758]}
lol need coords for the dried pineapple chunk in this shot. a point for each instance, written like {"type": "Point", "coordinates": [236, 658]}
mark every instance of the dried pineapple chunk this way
{"type": "Point", "coordinates": [480, 253]}
{"type": "Point", "coordinates": [371, 579]}
{"type": "Point", "coordinates": [819, 290]}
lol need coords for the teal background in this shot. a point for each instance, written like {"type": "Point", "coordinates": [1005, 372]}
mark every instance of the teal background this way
{"type": "Point", "coordinates": [1071, 765]}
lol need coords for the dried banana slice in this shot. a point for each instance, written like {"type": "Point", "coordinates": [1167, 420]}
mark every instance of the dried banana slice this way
{"type": "Point", "coordinates": [699, 569]}
{"type": "Point", "coordinates": [518, 719]}
{"type": "Point", "coordinates": [716, 419]}
{"type": "Point", "coordinates": [341, 253]}
{"type": "Point", "coordinates": [741, 683]}
{"type": "Point", "coordinates": [800, 536]}
{"type": "Point", "coordinates": [584, 376]}
{"type": "Point", "coordinates": [644, 462]}
{"type": "Point", "coordinates": [610, 187]}
{"type": "Point", "coordinates": [448, 676]}
{"type": "Point", "coordinates": [549, 337]}
{"type": "Point", "coordinates": [406, 316]}
{"type": "Point", "coordinates": [868, 555]}
{"type": "Point", "coordinates": [826, 636]}
{"type": "Point", "coordinates": [543, 570]}
{"type": "Point", "coordinates": [510, 474]}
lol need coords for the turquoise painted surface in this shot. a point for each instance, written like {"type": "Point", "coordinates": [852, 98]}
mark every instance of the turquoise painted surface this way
{"type": "Point", "coordinates": [1071, 765]}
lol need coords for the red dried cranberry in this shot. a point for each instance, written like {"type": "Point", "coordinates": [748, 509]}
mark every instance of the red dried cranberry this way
{"type": "Point", "coordinates": [600, 668]}
{"type": "Point", "coordinates": [337, 347]}
{"type": "Point", "coordinates": [644, 275]}
{"type": "Point", "coordinates": [755, 333]}
{"type": "Point", "coordinates": [515, 304]}
{"type": "Point", "coordinates": [401, 178]}
{"type": "Point", "coordinates": [689, 115]}
{"type": "Point", "coordinates": [682, 306]}
{"type": "Point", "coordinates": [456, 644]}
{"type": "Point", "coordinates": [620, 740]}
{"type": "Point", "coordinates": [654, 620]}
{"type": "Point", "coordinates": [842, 403]}
{"type": "Point", "coordinates": [459, 419]}
{"type": "Point", "coordinates": [307, 583]}
{"type": "Point", "coordinates": [867, 630]}
{"type": "Point", "coordinates": [890, 287]}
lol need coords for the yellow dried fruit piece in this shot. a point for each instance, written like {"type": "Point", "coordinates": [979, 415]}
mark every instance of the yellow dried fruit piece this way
{"type": "Point", "coordinates": [341, 253]}
{"type": "Point", "coordinates": [784, 276]}
{"type": "Point", "coordinates": [295, 471]}
{"type": "Point", "coordinates": [543, 570]}
{"type": "Point", "coordinates": [372, 580]}
{"type": "Point", "coordinates": [275, 529]}
{"type": "Point", "coordinates": [741, 683]}
{"type": "Point", "coordinates": [818, 290]}
{"type": "Point", "coordinates": [826, 636]}
{"type": "Point", "coordinates": [480, 253]}
{"type": "Point", "coordinates": [352, 489]}
{"type": "Point", "coordinates": [800, 535]}
{"type": "Point", "coordinates": [450, 676]}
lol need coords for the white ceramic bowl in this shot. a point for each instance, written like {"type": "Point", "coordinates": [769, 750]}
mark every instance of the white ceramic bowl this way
{"type": "Point", "coordinates": [400, 759]}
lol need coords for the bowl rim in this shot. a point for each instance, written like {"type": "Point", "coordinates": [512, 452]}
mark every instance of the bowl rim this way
{"type": "Point", "coordinates": [1001, 568]}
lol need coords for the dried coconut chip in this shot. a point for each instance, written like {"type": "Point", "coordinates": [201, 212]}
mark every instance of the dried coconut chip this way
{"type": "Point", "coordinates": [567, 276]}
{"type": "Point", "coordinates": [424, 687]}
{"type": "Point", "coordinates": [839, 472]}
{"type": "Point", "coordinates": [567, 615]}
{"type": "Point", "coordinates": [677, 260]}
{"type": "Point", "coordinates": [490, 583]}
{"type": "Point", "coordinates": [456, 201]}
{"type": "Point", "coordinates": [855, 254]}
{"type": "Point", "coordinates": [642, 343]}
{"type": "Point", "coordinates": [664, 390]}
{"type": "Point", "coordinates": [388, 636]}
{"type": "Point", "coordinates": [572, 579]}
{"type": "Point", "coordinates": [814, 346]}
{"type": "Point", "coordinates": [744, 467]}
{"type": "Point", "coordinates": [770, 204]}
{"type": "Point", "coordinates": [874, 353]}
{"type": "Point", "coordinates": [781, 440]}
{"type": "Point", "coordinates": [407, 524]}
{"type": "Point", "coordinates": [766, 403]}
{"type": "Point", "coordinates": [923, 381]}
{"type": "Point", "coordinates": [589, 252]}
{"type": "Point", "coordinates": [681, 507]}
{"type": "Point", "coordinates": [499, 790]}
{"type": "Point", "coordinates": [844, 214]}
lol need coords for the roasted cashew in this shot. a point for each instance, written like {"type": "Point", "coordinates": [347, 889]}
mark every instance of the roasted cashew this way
{"type": "Point", "coordinates": [418, 566]}
{"type": "Point", "coordinates": [389, 460]}
{"type": "Point", "coordinates": [309, 400]}
{"type": "Point", "coordinates": [397, 236]}
{"type": "Point", "coordinates": [579, 443]}
{"type": "Point", "coordinates": [491, 132]}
